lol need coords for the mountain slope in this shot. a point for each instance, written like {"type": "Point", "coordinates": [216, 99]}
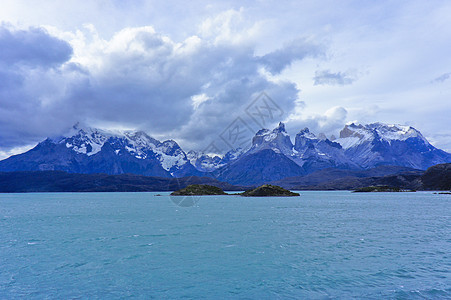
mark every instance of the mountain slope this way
{"type": "Point", "coordinates": [276, 140]}
{"type": "Point", "coordinates": [381, 144]}
{"type": "Point", "coordinates": [316, 154]}
{"type": "Point", "coordinates": [259, 167]}
{"type": "Point", "coordinates": [87, 150]}
{"type": "Point", "coordinates": [437, 177]}
{"type": "Point", "coordinates": [332, 174]}
{"type": "Point", "coordinates": [58, 181]}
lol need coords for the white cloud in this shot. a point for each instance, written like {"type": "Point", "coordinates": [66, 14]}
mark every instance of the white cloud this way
{"type": "Point", "coordinates": [326, 77]}
{"type": "Point", "coordinates": [199, 99]}
{"type": "Point", "coordinates": [148, 56]}
{"type": "Point", "coordinates": [329, 123]}
{"type": "Point", "coordinates": [139, 78]}
{"type": "Point", "coordinates": [230, 27]}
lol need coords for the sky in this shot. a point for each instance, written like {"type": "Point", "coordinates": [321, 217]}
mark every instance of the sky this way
{"type": "Point", "coordinates": [189, 71]}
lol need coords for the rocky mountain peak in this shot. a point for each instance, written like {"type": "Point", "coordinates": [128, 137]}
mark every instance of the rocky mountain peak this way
{"type": "Point", "coordinates": [280, 127]}
{"type": "Point", "coordinates": [277, 140]}
{"type": "Point", "coordinates": [90, 150]}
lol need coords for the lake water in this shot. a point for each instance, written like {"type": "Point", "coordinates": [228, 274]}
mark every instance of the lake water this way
{"type": "Point", "coordinates": [318, 246]}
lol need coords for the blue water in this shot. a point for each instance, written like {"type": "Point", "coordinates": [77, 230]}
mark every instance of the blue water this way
{"type": "Point", "coordinates": [318, 246]}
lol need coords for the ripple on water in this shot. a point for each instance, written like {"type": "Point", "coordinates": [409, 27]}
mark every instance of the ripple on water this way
{"type": "Point", "coordinates": [335, 245]}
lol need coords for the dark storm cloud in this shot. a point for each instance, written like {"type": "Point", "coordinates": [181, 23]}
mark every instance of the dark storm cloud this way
{"type": "Point", "coordinates": [298, 49]}
{"type": "Point", "coordinates": [326, 77]}
{"type": "Point", "coordinates": [138, 79]}
{"type": "Point", "coordinates": [33, 47]}
{"type": "Point", "coordinates": [29, 78]}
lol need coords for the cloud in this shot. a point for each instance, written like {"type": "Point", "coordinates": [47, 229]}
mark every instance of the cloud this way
{"type": "Point", "coordinates": [31, 84]}
{"type": "Point", "coordinates": [298, 49]}
{"type": "Point", "coordinates": [398, 44]}
{"type": "Point", "coordinates": [442, 78]}
{"type": "Point", "coordinates": [230, 27]}
{"type": "Point", "coordinates": [326, 77]}
{"type": "Point", "coordinates": [330, 122]}
{"type": "Point", "coordinates": [33, 47]}
{"type": "Point", "coordinates": [189, 90]}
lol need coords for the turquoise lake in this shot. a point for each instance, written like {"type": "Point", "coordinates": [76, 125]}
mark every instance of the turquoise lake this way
{"type": "Point", "coordinates": [321, 245]}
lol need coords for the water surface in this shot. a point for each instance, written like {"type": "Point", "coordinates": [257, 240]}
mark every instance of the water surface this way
{"type": "Point", "coordinates": [321, 245]}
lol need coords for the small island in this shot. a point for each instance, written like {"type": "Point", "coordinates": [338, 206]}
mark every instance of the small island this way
{"type": "Point", "coordinates": [265, 190]}
{"type": "Point", "coordinates": [381, 188]}
{"type": "Point", "coordinates": [199, 190]}
{"type": "Point", "coordinates": [268, 190]}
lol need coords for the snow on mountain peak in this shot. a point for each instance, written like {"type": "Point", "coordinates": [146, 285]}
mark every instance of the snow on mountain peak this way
{"type": "Point", "coordinates": [204, 162]}
{"type": "Point", "coordinates": [353, 134]}
{"type": "Point", "coordinates": [263, 132]}
{"type": "Point", "coordinates": [306, 134]}
{"type": "Point", "coordinates": [303, 139]}
{"type": "Point", "coordinates": [89, 141]}
{"type": "Point", "coordinates": [269, 135]}
{"type": "Point", "coordinates": [395, 132]}
{"type": "Point", "coordinates": [84, 140]}
{"type": "Point", "coordinates": [277, 140]}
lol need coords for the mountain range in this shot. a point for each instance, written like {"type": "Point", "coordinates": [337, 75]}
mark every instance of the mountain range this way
{"type": "Point", "coordinates": [271, 157]}
{"type": "Point", "coordinates": [436, 178]}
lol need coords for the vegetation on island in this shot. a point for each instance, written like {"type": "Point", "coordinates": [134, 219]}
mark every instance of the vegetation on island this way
{"type": "Point", "coordinates": [381, 188]}
{"type": "Point", "coordinates": [199, 190]}
{"type": "Point", "coordinates": [267, 190]}
{"type": "Point", "coordinates": [261, 191]}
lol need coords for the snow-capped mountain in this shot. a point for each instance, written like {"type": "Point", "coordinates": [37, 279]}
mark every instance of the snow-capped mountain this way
{"type": "Point", "coordinates": [314, 153]}
{"type": "Point", "coordinates": [206, 163]}
{"type": "Point", "coordinates": [90, 150]}
{"type": "Point", "coordinates": [309, 152]}
{"type": "Point", "coordinates": [382, 144]}
{"type": "Point", "coordinates": [89, 141]}
{"type": "Point", "coordinates": [276, 140]}
{"type": "Point", "coordinates": [272, 155]}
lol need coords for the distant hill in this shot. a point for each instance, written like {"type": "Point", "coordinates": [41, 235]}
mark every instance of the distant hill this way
{"type": "Point", "coordinates": [58, 181]}
{"type": "Point", "coordinates": [325, 177]}
{"type": "Point", "coordinates": [435, 178]}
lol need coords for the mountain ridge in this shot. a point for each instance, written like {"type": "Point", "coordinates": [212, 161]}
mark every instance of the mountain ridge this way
{"type": "Point", "coordinates": [272, 155]}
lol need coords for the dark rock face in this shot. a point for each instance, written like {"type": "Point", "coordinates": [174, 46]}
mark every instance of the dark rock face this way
{"type": "Point", "coordinates": [277, 140]}
{"type": "Point", "coordinates": [257, 168]}
{"type": "Point", "coordinates": [317, 154]}
{"type": "Point", "coordinates": [198, 190]}
{"type": "Point", "coordinates": [437, 178]}
{"type": "Point", "coordinates": [268, 190]}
